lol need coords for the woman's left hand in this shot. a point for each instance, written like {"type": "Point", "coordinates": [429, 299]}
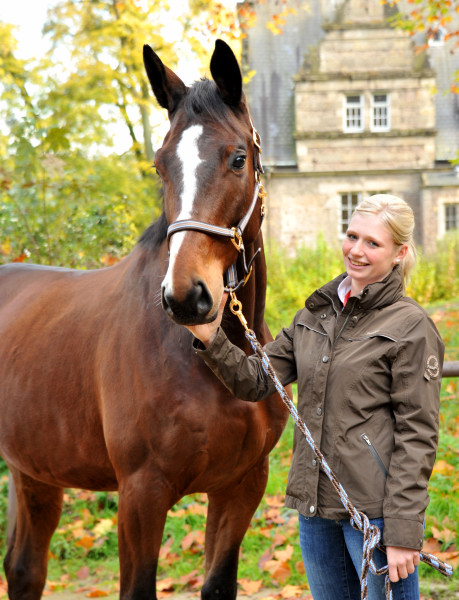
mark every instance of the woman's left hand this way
{"type": "Point", "coordinates": [401, 561]}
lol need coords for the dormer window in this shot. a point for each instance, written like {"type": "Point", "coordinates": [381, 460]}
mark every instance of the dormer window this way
{"type": "Point", "coordinates": [353, 114]}
{"type": "Point", "coordinates": [380, 112]}
{"type": "Point", "coordinates": [436, 37]}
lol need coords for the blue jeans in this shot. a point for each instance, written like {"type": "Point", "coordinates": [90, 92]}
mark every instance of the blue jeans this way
{"type": "Point", "coordinates": [332, 556]}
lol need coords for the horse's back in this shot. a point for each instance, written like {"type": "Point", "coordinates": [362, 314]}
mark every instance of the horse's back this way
{"type": "Point", "coordinates": [19, 279]}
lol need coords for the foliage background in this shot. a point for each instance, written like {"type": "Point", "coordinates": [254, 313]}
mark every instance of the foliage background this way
{"type": "Point", "coordinates": [67, 198]}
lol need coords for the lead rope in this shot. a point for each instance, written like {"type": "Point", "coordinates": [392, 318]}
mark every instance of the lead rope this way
{"type": "Point", "coordinates": [371, 533]}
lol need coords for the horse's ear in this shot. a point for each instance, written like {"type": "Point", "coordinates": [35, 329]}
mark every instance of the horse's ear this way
{"type": "Point", "coordinates": [226, 73]}
{"type": "Point", "coordinates": [168, 88]}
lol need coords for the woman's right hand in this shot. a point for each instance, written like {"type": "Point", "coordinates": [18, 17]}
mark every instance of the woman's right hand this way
{"type": "Point", "coordinates": [207, 332]}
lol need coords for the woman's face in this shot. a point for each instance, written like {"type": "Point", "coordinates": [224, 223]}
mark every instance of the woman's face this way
{"type": "Point", "coordinates": [369, 251]}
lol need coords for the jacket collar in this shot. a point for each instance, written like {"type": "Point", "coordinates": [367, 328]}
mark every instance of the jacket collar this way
{"type": "Point", "coordinates": [375, 295]}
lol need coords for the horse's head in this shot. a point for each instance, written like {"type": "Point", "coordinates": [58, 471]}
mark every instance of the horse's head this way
{"type": "Point", "coordinates": [209, 165]}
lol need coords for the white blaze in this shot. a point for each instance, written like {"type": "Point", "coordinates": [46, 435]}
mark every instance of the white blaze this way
{"type": "Point", "coordinates": [188, 154]}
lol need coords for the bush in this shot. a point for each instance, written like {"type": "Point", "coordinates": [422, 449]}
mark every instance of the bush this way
{"type": "Point", "coordinates": [291, 279]}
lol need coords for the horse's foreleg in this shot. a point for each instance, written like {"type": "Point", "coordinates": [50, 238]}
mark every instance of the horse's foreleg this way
{"type": "Point", "coordinates": [142, 511]}
{"type": "Point", "coordinates": [228, 518]}
{"type": "Point", "coordinates": [38, 511]}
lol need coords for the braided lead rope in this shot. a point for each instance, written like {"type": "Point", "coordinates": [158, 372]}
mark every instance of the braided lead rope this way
{"type": "Point", "coordinates": [371, 533]}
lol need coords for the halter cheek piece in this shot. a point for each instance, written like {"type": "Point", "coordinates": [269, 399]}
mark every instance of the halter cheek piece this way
{"type": "Point", "coordinates": [234, 233]}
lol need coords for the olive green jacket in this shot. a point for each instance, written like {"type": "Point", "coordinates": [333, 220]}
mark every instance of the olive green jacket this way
{"type": "Point", "coordinates": [369, 380]}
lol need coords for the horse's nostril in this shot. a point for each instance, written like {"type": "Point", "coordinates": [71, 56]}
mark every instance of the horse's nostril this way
{"type": "Point", "coordinates": [193, 308]}
{"type": "Point", "coordinates": [203, 299]}
{"type": "Point", "coordinates": [165, 300]}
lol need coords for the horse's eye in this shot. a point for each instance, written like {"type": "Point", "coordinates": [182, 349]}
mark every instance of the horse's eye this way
{"type": "Point", "coordinates": [239, 162]}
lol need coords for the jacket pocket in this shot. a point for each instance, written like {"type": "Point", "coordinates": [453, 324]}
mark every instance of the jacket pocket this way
{"type": "Point", "coordinates": [366, 440]}
{"type": "Point", "coordinates": [371, 336]}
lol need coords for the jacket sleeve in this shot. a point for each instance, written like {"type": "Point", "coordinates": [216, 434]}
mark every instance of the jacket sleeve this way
{"type": "Point", "coordinates": [244, 375]}
{"type": "Point", "coordinates": [415, 396]}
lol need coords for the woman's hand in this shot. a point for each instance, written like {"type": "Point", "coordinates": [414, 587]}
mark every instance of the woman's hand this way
{"type": "Point", "coordinates": [206, 332]}
{"type": "Point", "coordinates": [401, 561]}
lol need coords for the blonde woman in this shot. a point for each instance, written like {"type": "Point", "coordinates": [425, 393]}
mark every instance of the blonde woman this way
{"type": "Point", "coordinates": [368, 362]}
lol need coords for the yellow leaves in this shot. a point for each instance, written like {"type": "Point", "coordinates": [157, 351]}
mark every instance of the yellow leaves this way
{"type": "Point", "coordinates": [278, 21]}
{"type": "Point", "coordinates": [279, 571]}
{"type": "Point", "coordinates": [86, 542]}
{"type": "Point", "coordinates": [103, 527]}
{"type": "Point", "coordinates": [293, 591]}
{"type": "Point", "coordinates": [443, 468]}
{"type": "Point", "coordinates": [277, 564]}
{"type": "Point", "coordinates": [432, 546]}
{"type": "Point", "coordinates": [165, 585]}
{"type": "Point", "coordinates": [5, 247]}
{"type": "Point", "coordinates": [84, 536]}
{"type": "Point", "coordinates": [284, 555]}
{"type": "Point", "coordinates": [193, 538]}
{"type": "Point", "coordinates": [446, 535]}
{"type": "Point", "coordinates": [109, 260]}
{"type": "Point", "coordinates": [249, 587]}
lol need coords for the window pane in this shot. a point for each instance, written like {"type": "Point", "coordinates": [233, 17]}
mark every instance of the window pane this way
{"type": "Point", "coordinates": [353, 111]}
{"type": "Point", "coordinates": [451, 216]}
{"type": "Point", "coordinates": [380, 112]}
{"type": "Point", "coordinates": [348, 203]}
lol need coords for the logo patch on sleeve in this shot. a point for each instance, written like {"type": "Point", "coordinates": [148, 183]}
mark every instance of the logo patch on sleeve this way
{"type": "Point", "coordinates": [432, 369]}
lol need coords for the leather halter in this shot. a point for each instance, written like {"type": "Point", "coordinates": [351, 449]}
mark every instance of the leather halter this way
{"type": "Point", "coordinates": [234, 233]}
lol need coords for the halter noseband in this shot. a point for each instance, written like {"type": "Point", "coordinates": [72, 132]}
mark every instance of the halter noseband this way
{"type": "Point", "coordinates": [233, 233]}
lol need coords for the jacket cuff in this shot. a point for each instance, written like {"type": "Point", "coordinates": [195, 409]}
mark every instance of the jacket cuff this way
{"type": "Point", "coordinates": [403, 533]}
{"type": "Point", "coordinates": [214, 350]}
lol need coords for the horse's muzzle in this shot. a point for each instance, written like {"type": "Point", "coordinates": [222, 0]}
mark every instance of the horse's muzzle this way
{"type": "Point", "coordinates": [194, 309]}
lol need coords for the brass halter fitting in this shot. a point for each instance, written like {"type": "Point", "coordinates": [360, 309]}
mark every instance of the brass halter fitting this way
{"type": "Point", "coordinates": [237, 240]}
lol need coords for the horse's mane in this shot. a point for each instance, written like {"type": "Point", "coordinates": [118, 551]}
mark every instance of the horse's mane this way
{"type": "Point", "coordinates": [154, 235]}
{"type": "Point", "coordinates": [203, 100]}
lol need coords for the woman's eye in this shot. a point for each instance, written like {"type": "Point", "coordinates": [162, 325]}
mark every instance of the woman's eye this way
{"type": "Point", "coordinates": [239, 162]}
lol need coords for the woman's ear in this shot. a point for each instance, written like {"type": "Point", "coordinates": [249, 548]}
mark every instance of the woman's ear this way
{"type": "Point", "coordinates": [402, 252]}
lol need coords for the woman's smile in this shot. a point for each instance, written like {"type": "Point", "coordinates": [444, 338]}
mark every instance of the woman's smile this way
{"type": "Point", "coordinates": [369, 251]}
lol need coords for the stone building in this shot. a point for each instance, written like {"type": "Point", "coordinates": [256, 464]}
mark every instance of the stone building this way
{"type": "Point", "coordinates": [346, 107]}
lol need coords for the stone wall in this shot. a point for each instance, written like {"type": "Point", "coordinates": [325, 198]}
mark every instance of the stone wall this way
{"type": "Point", "coordinates": [301, 206]}
{"type": "Point", "coordinates": [319, 104]}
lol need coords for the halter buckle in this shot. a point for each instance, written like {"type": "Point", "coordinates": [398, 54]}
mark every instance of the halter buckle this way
{"type": "Point", "coordinates": [237, 240]}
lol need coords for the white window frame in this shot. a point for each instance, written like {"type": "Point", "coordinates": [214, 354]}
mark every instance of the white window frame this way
{"type": "Point", "coordinates": [348, 202]}
{"type": "Point", "coordinates": [451, 218]}
{"type": "Point", "coordinates": [439, 37]}
{"type": "Point", "coordinates": [377, 112]}
{"type": "Point", "coordinates": [349, 120]}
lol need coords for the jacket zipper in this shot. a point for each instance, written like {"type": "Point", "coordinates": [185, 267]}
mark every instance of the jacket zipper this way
{"type": "Point", "coordinates": [367, 441]}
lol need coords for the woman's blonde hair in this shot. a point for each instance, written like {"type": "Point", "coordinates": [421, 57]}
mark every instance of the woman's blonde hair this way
{"type": "Point", "coordinates": [398, 217]}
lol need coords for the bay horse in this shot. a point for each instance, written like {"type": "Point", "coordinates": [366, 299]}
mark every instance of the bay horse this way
{"type": "Point", "coordinates": [100, 388]}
